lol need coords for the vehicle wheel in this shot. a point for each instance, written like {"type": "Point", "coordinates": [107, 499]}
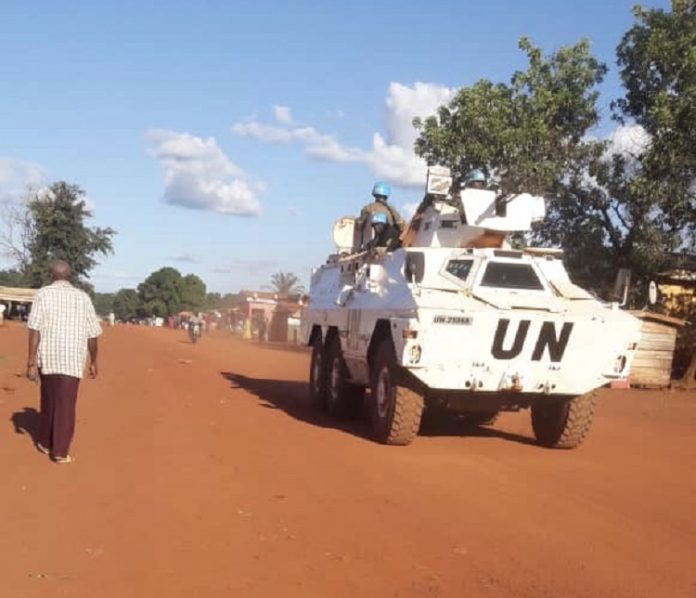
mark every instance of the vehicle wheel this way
{"type": "Point", "coordinates": [480, 419]}
{"type": "Point", "coordinates": [395, 409]}
{"type": "Point", "coordinates": [563, 423]}
{"type": "Point", "coordinates": [342, 398]}
{"type": "Point", "coordinates": [317, 375]}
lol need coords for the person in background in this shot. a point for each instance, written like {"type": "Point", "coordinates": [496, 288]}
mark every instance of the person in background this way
{"type": "Point", "coordinates": [63, 330]}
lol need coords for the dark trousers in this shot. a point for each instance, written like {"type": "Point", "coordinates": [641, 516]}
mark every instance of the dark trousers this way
{"type": "Point", "coordinates": [57, 425]}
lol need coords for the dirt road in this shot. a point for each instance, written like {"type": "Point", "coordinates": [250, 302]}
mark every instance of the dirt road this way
{"type": "Point", "coordinates": [202, 472]}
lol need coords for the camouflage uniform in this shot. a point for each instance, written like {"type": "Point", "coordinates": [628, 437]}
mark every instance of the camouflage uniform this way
{"type": "Point", "coordinates": [394, 219]}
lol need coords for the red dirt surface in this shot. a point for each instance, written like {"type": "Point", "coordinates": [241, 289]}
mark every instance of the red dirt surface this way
{"type": "Point", "coordinates": [202, 471]}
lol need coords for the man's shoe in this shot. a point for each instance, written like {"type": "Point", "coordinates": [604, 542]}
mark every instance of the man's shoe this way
{"type": "Point", "coordinates": [42, 449]}
{"type": "Point", "coordinates": [63, 460]}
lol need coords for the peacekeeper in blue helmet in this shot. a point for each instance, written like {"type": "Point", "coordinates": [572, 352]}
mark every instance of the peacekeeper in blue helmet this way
{"type": "Point", "coordinates": [381, 192]}
{"type": "Point", "coordinates": [475, 179]}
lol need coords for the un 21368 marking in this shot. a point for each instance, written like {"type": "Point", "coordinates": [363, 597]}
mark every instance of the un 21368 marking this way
{"type": "Point", "coordinates": [460, 320]}
{"type": "Point", "coordinates": [556, 343]}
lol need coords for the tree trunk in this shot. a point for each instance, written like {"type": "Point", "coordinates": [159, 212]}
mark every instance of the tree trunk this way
{"type": "Point", "coordinates": [688, 381]}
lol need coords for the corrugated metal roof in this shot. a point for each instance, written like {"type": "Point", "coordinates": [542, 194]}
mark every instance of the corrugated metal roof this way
{"type": "Point", "coordinates": [17, 294]}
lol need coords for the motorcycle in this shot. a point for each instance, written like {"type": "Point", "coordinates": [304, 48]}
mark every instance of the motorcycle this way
{"type": "Point", "coordinates": [194, 331]}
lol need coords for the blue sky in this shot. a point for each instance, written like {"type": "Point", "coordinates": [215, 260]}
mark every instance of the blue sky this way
{"type": "Point", "coordinates": [224, 138]}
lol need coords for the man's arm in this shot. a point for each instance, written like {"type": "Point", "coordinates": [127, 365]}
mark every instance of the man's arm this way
{"type": "Point", "coordinates": [32, 366]}
{"type": "Point", "coordinates": [93, 346]}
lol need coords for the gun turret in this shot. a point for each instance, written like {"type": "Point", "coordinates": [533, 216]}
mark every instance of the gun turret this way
{"type": "Point", "coordinates": [472, 218]}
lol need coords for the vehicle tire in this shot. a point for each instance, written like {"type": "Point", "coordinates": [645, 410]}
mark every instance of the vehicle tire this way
{"type": "Point", "coordinates": [342, 398]}
{"type": "Point", "coordinates": [563, 423]}
{"type": "Point", "coordinates": [317, 375]}
{"type": "Point", "coordinates": [480, 419]}
{"type": "Point", "coordinates": [395, 409]}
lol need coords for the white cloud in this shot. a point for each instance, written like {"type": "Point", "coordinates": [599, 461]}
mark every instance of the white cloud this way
{"type": "Point", "coordinates": [186, 258]}
{"type": "Point", "coordinates": [282, 114]}
{"type": "Point", "coordinates": [16, 176]}
{"type": "Point", "coordinates": [391, 155]}
{"type": "Point", "coordinates": [628, 140]}
{"type": "Point", "coordinates": [198, 174]}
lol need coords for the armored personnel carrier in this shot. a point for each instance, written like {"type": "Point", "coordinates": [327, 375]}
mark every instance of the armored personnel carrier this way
{"type": "Point", "coordinates": [457, 322]}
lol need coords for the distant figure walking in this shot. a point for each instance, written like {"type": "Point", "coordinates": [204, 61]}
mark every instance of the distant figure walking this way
{"type": "Point", "coordinates": [63, 328]}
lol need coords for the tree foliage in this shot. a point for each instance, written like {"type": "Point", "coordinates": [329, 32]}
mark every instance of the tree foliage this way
{"type": "Point", "coordinates": [56, 230]}
{"type": "Point", "coordinates": [166, 292]}
{"type": "Point", "coordinates": [103, 303]}
{"type": "Point", "coordinates": [127, 305]}
{"type": "Point", "coordinates": [286, 283]}
{"type": "Point", "coordinates": [657, 61]}
{"type": "Point", "coordinates": [12, 278]}
{"type": "Point", "coordinates": [523, 132]}
{"type": "Point", "coordinates": [609, 205]}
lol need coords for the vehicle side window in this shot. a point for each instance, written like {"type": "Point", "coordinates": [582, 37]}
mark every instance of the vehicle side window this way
{"type": "Point", "coordinates": [459, 268]}
{"type": "Point", "coordinates": [505, 275]}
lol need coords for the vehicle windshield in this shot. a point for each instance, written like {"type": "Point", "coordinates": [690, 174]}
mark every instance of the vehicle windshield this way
{"type": "Point", "coordinates": [459, 268]}
{"type": "Point", "coordinates": [506, 275]}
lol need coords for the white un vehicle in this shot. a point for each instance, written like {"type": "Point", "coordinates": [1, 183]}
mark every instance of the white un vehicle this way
{"type": "Point", "coordinates": [457, 321]}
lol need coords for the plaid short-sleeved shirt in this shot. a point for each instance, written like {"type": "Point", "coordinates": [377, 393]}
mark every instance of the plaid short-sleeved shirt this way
{"type": "Point", "coordinates": [65, 318]}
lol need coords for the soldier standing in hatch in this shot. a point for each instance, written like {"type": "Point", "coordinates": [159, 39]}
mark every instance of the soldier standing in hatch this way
{"type": "Point", "coordinates": [380, 192]}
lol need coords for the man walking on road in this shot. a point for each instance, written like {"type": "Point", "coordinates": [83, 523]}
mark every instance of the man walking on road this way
{"type": "Point", "coordinates": [63, 328]}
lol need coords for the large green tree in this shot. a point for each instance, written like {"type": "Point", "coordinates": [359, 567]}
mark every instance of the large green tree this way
{"type": "Point", "coordinates": [103, 303]}
{"type": "Point", "coordinates": [610, 205]}
{"type": "Point", "coordinates": [657, 62]}
{"type": "Point", "coordinates": [127, 305]}
{"type": "Point", "coordinates": [525, 131]}
{"type": "Point", "coordinates": [166, 292]}
{"type": "Point", "coordinates": [56, 229]}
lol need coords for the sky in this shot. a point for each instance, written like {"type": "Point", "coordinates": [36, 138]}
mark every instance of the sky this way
{"type": "Point", "coordinates": [224, 138]}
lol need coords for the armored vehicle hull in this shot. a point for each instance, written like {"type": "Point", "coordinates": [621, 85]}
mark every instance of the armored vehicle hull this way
{"type": "Point", "coordinates": [442, 325]}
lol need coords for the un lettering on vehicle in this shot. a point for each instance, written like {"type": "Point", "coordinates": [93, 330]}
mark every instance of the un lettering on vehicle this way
{"type": "Point", "coordinates": [456, 320]}
{"type": "Point", "coordinates": [552, 339]}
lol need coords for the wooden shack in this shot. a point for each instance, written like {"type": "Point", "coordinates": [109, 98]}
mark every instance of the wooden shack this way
{"type": "Point", "coordinates": [652, 363]}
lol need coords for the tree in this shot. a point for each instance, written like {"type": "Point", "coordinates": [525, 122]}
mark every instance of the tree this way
{"type": "Point", "coordinates": [192, 293]}
{"type": "Point", "coordinates": [524, 132]}
{"type": "Point", "coordinates": [55, 229]}
{"type": "Point", "coordinates": [607, 207]}
{"type": "Point", "coordinates": [104, 303]}
{"type": "Point", "coordinates": [165, 292]}
{"type": "Point", "coordinates": [12, 278]}
{"type": "Point", "coordinates": [16, 234]}
{"type": "Point", "coordinates": [286, 283]}
{"type": "Point", "coordinates": [127, 304]}
{"type": "Point", "coordinates": [213, 301]}
{"type": "Point", "coordinates": [657, 61]}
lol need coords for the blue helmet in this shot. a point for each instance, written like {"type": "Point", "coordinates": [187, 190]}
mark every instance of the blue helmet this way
{"type": "Point", "coordinates": [381, 189]}
{"type": "Point", "coordinates": [379, 218]}
{"type": "Point", "coordinates": [475, 175]}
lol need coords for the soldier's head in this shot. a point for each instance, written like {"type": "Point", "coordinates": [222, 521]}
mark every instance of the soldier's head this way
{"type": "Point", "coordinates": [60, 270]}
{"type": "Point", "coordinates": [475, 180]}
{"type": "Point", "coordinates": [381, 191]}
